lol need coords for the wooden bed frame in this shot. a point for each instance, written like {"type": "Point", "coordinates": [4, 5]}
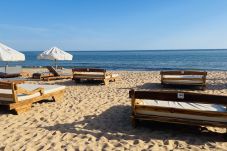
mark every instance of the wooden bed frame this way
{"type": "Point", "coordinates": [194, 81]}
{"type": "Point", "coordinates": [25, 105]}
{"type": "Point", "coordinates": [95, 74]}
{"type": "Point", "coordinates": [178, 97]}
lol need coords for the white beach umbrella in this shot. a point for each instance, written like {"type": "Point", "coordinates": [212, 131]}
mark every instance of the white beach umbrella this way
{"type": "Point", "coordinates": [8, 54]}
{"type": "Point", "coordinates": [55, 54]}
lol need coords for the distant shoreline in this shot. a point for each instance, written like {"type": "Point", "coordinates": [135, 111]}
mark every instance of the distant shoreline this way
{"type": "Point", "coordinates": [136, 60]}
{"type": "Point", "coordinates": [134, 70]}
{"type": "Point", "coordinates": [225, 49]}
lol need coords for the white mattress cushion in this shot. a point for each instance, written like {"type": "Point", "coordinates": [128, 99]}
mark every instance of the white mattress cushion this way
{"type": "Point", "coordinates": [182, 105]}
{"type": "Point", "coordinates": [21, 97]}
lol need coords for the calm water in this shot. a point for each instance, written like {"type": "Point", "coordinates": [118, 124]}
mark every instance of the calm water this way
{"type": "Point", "coordinates": [139, 60]}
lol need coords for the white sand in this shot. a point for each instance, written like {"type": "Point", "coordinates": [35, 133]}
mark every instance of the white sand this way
{"type": "Point", "coordinates": [97, 117]}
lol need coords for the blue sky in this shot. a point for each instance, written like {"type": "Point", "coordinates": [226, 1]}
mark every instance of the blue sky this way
{"type": "Point", "coordinates": [113, 24]}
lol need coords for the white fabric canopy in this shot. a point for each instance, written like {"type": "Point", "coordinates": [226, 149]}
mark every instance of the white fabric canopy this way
{"type": "Point", "coordinates": [9, 54]}
{"type": "Point", "coordinates": [55, 54]}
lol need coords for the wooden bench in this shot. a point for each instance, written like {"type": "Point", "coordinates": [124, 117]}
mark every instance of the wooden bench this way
{"type": "Point", "coordinates": [20, 96]}
{"type": "Point", "coordinates": [179, 107]}
{"type": "Point", "coordinates": [185, 78]}
{"type": "Point", "coordinates": [93, 74]}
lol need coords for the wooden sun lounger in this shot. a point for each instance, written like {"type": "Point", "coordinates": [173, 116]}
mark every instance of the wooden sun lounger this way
{"type": "Point", "coordinates": [20, 96]}
{"type": "Point", "coordinates": [52, 75]}
{"type": "Point", "coordinates": [11, 72]}
{"type": "Point", "coordinates": [42, 75]}
{"type": "Point", "coordinates": [93, 74]}
{"type": "Point", "coordinates": [179, 107]}
{"type": "Point", "coordinates": [186, 78]}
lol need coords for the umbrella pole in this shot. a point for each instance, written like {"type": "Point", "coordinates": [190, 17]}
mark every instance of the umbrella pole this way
{"type": "Point", "coordinates": [6, 66]}
{"type": "Point", "coordinates": [55, 64]}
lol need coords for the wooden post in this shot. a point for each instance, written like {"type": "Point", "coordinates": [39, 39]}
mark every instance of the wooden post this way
{"type": "Point", "coordinates": [23, 108]}
{"type": "Point", "coordinates": [132, 96]}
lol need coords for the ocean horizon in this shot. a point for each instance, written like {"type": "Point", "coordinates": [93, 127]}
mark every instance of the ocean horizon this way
{"type": "Point", "coordinates": [141, 60]}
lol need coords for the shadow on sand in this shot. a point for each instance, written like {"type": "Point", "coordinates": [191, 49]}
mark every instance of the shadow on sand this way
{"type": "Point", "coordinates": [115, 123]}
{"type": "Point", "coordinates": [82, 83]}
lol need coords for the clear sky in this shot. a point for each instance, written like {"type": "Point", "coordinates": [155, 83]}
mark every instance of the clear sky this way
{"type": "Point", "coordinates": [113, 24]}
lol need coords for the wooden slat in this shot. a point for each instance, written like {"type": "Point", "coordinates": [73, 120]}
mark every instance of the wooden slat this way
{"type": "Point", "coordinates": [181, 79]}
{"type": "Point", "coordinates": [180, 120]}
{"type": "Point", "coordinates": [173, 96]}
{"type": "Point", "coordinates": [89, 76]}
{"type": "Point", "coordinates": [52, 70]}
{"type": "Point", "coordinates": [3, 95]}
{"type": "Point", "coordinates": [5, 85]}
{"type": "Point", "coordinates": [88, 70]}
{"type": "Point", "coordinates": [6, 103]}
{"type": "Point", "coordinates": [180, 111]}
{"type": "Point", "coordinates": [182, 83]}
{"type": "Point", "coordinates": [187, 72]}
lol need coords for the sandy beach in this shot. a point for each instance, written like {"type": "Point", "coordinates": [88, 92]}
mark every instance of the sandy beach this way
{"type": "Point", "coordinates": [97, 117]}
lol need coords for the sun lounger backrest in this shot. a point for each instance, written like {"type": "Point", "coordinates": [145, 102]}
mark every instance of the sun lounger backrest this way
{"type": "Point", "coordinates": [184, 77]}
{"type": "Point", "coordinates": [53, 71]}
{"type": "Point", "coordinates": [11, 87]}
{"type": "Point", "coordinates": [179, 97]}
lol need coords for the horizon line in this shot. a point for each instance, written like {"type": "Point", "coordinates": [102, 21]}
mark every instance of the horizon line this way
{"type": "Point", "coordinates": [117, 50]}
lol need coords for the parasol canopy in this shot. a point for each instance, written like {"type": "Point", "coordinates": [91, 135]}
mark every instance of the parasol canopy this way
{"type": "Point", "coordinates": [55, 54]}
{"type": "Point", "coordinates": [8, 54]}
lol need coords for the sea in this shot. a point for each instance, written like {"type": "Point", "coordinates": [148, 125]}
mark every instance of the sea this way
{"type": "Point", "coordinates": [141, 60]}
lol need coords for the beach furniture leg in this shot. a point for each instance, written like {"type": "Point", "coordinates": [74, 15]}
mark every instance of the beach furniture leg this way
{"type": "Point", "coordinates": [204, 87]}
{"type": "Point", "coordinates": [23, 108]}
{"type": "Point", "coordinates": [225, 134]}
{"type": "Point", "coordinates": [58, 97]}
{"type": "Point", "coordinates": [106, 81]}
{"type": "Point", "coordinates": [134, 122]}
{"type": "Point", "coordinates": [77, 80]}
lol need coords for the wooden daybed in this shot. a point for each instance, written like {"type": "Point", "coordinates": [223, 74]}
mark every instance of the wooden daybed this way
{"type": "Point", "coordinates": [179, 107]}
{"type": "Point", "coordinates": [51, 75]}
{"type": "Point", "coordinates": [93, 74]}
{"type": "Point", "coordinates": [19, 96]}
{"type": "Point", "coordinates": [186, 78]}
